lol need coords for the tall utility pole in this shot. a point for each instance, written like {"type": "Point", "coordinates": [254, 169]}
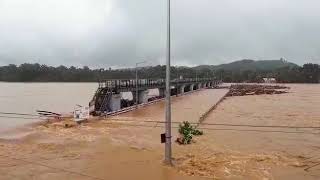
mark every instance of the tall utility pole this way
{"type": "Point", "coordinates": [137, 89]}
{"type": "Point", "coordinates": [168, 150]}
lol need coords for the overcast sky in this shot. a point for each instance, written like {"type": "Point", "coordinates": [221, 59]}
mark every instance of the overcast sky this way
{"type": "Point", "coordinates": [118, 33]}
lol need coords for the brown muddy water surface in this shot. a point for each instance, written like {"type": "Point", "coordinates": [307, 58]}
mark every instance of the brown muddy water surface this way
{"type": "Point", "coordinates": [27, 98]}
{"type": "Point", "coordinates": [125, 147]}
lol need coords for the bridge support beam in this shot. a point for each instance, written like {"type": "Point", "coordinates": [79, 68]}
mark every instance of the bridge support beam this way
{"type": "Point", "coordinates": [115, 102]}
{"type": "Point", "coordinates": [143, 96]}
{"type": "Point", "coordinates": [199, 86]}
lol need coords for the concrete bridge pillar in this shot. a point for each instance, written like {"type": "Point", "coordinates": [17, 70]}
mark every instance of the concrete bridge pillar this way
{"type": "Point", "coordinates": [199, 85]}
{"type": "Point", "coordinates": [143, 96]}
{"type": "Point", "coordinates": [182, 89]}
{"type": "Point", "coordinates": [115, 102]}
{"type": "Point", "coordinates": [191, 87]}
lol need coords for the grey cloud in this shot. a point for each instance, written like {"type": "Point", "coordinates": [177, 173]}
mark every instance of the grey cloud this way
{"type": "Point", "coordinates": [105, 33]}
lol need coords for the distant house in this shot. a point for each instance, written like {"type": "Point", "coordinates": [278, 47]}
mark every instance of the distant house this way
{"type": "Point", "coordinates": [269, 80]}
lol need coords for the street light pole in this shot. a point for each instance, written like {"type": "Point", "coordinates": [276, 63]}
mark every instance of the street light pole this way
{"type": "Point", "coordinates": [137, 93]}
{"type": "Point", "coordinates": [168, 150]}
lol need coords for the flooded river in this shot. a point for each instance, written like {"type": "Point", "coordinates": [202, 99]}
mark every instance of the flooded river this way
{"type": "Point", "coordinates": [100, 150]}
{"type": "Point", "coordinates": [125, 147]}
{"type": "Point", "coordinates": [29, 97]}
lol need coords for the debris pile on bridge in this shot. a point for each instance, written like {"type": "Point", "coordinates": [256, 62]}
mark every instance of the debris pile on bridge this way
{"type": "Point", "coordinates": [254, 89]}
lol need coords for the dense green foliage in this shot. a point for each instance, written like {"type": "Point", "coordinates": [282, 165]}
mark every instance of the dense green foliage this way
{"type": "Point", "coordinates": [43, 73]}
{"type": "Point", "coordinates": [186, 130]}
{"type": "Point", "coordinates": [308, 73]}
{"type": "Point", "coordinates": [239, 71]}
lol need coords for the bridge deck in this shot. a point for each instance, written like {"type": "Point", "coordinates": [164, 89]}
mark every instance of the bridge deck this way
{"type": "Point", "coordinates": [107, 99]}
{"type": "Point", "coordinates": [121, 85]}
{"type": "Point", "coordinates": [184, 108]}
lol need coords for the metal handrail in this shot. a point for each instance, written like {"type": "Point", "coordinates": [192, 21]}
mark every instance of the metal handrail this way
{"type": "Point", "coordinates": [117, 84]}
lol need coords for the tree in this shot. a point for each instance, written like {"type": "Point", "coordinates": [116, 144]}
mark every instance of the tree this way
{"type": "Point", "coordinates": [311, 73]}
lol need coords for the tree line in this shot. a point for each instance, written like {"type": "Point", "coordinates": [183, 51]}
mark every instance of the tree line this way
{"type": "Point", "coordinates": [43, 73]}
{"type": "Point", "coordinates": [308, 73]}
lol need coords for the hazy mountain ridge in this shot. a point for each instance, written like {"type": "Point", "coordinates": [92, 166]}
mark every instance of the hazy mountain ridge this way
{"type": "Point", "coordinates": [248, 64]}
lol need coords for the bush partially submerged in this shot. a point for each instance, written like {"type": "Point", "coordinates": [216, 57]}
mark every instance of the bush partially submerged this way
{"type": "Point", "coordinates": [186, 130]}
{"type": "Point", "coordinates": [197, 132]}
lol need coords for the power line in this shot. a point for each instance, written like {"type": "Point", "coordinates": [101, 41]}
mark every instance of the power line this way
{"type": "Point", "coordinates": [225, 129]}
{"type": "Point", "coordinates": [21, 114]}
{"type": "Point", "coordinates": [16, 117]}
{"type": "Point", "coordinates": [24, 116]}
{"type": "Point", "coordinates": [256, 130]}
{"type": "Point", "coordinates": [29, 116]}
{"type": "Point", "coordinates": [226, 124]}
{"type": "Point", "coordinates": [262, 126]}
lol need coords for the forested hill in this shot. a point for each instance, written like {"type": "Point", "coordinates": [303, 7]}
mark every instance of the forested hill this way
{"type": "Point", "coordinates": [251, 65]}
{"type": "Point", "coordinates": [239, 71]}
{"type": "Point", "coordinates": [253, 71]}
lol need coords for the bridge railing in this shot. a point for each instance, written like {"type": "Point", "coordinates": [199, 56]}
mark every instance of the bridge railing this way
{"type": "Point", "coordinates": [131, 83]}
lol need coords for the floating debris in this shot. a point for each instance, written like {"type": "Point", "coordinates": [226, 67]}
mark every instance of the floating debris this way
{"type": "Point", "coordinates": [250, 89]}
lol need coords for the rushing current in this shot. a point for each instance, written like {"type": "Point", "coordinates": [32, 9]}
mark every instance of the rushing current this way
{"type": "Point", "coordinates": [27, 98]}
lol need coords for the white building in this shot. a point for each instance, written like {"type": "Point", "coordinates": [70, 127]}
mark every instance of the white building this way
{"type": "Point", "coordinates": [269, 80]}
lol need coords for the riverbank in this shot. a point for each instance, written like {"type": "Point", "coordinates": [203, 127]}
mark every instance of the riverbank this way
{"type": "Point", "coordinates": [116, 148]}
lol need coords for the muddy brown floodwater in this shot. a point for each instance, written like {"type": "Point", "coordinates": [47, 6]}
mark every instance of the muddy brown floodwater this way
{"type": "Point", "coordinates": [299, 107]}
{"type": "Point", "coordinates": [126, 147]}
{"type": "Point", "coordinates": [101, 149]}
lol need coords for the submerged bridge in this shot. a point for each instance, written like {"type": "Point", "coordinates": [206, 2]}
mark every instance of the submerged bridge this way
{"type": "Point", "coordinates": [108, 95]}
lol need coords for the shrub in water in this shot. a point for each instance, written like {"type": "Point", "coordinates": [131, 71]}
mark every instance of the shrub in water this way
{"type": "Point", "coordinates": [197, 132]}
{"type": "Point", "coordinates": [187, 131]}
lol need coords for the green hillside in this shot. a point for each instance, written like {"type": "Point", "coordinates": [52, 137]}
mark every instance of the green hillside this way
{"type": "Point", "coordinates": [247, 64]}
